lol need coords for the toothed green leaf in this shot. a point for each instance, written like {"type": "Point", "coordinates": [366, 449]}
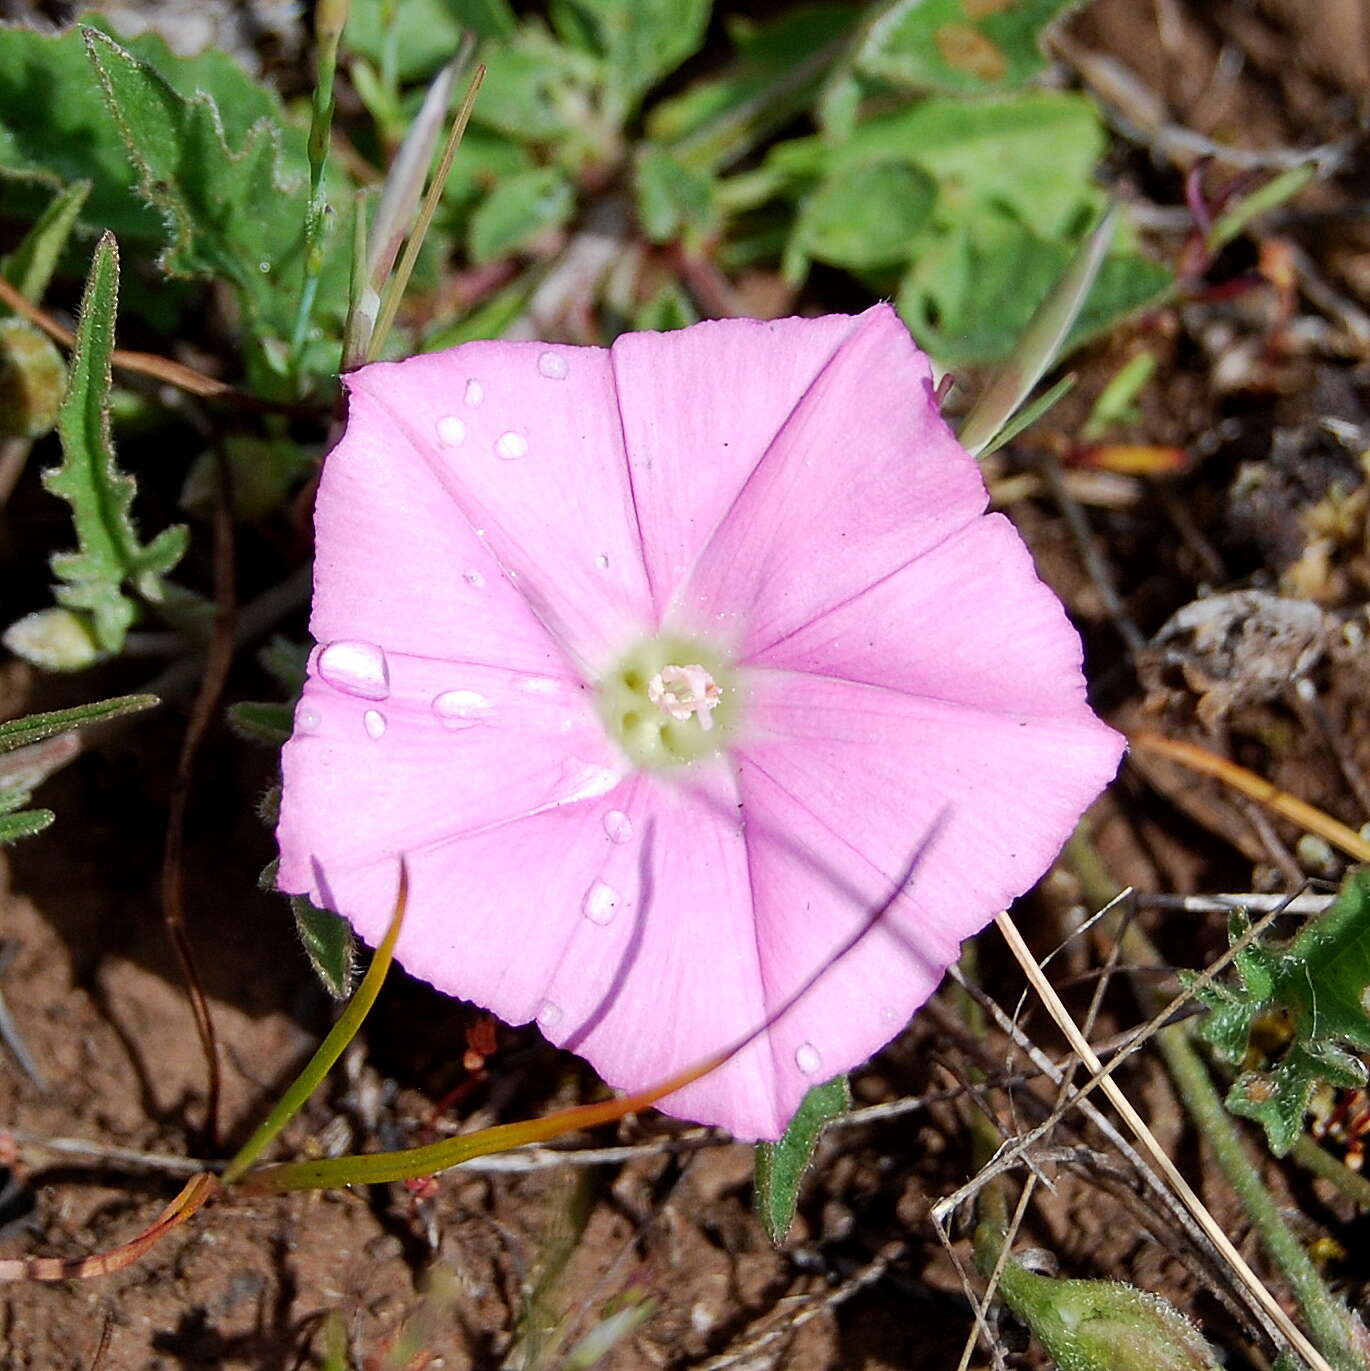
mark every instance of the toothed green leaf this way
{"type": "Point", "coordinates": [233, 199]}
{"type": "Point", "coordinates": [109, 555]}
{"type": "Point", "coordinates": [781, 1166]}
{"type": "Point", "coordinates": [1318, 983]}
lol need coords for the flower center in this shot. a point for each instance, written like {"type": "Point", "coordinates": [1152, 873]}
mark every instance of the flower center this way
{"type": "Point", "coordinates": [669, 701]}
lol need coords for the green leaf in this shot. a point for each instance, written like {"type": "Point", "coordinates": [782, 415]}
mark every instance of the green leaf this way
{"type": "Point", "coordinates": [517, 211]}
{"type": "Point", "coordinates": [972, 292]}
{"type": "Point", "coordinates": [261, 721]}
{"type": "Point", "coordinates": [668, 309]}
{"type": "Point", "coordinates": [961, 46]}
{"type": "Point", "coordinates": [672, 197]}
{"type": "Point", "coordinates": [60, 142]}
{"type": "Point", "coordinates": [33, 376]}
{"type": "Point", "coordinates": [109, 554]}
{"type": "Point", "coordinates": [537, 90]}
{"type": "Point", "coordinates": [426, 33]}
{"type": "Point", "coordinates": [641, 41]}
{"type": "Point", "coordinates": [30, 266]}
{"type": "Point", "coordinates": [33, 728]}
{"type": "Point", "coordinates": [330, 945]}
{"type": "Point", "coordinates": [775, 76]}
{"type": "Point", "coordinates": [781, 1166]}
{"type": "Point", "coordinates": [867, 215]}
{"type": "Point", "coordinates": [1318, 984]}
{"type": "Point", "coordinates": [1030, 155]}
{"type": "Point", "coordinates": [24, 825]}
{"type": "Point", "coordinates": [233, 199]}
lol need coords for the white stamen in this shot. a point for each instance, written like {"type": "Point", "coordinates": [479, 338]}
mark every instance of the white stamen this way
{"type": "Point", "coordinates": [683, 691]}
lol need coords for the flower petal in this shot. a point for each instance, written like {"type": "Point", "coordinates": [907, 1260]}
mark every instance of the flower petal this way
{"type": "Point", "coordinates": [863, 477]}
{"type": "Point", "coordinates": [526, 442]}
{"type": "Point", "coordinates": [397, 565]}
{"type": "Point", "coordinates": [700, 406]}
{"type": "Point", "coordinates": [448, 750]}
{"type": "Point", "coordinates": [851, 791]}
{"type": "Point", "coordinates": [622, 924]}
{"type": "Point", "coordinates": [969, 621]}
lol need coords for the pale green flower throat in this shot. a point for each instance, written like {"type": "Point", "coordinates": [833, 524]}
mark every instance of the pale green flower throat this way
{"type": "Point", "coordinates": [670, 700]}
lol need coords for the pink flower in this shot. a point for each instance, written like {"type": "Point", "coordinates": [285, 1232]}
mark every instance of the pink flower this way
{"type": "Point", "coordinates": [660, 662]}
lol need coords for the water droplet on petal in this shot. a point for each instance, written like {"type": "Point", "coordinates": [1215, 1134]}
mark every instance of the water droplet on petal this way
{"type": "Point", "coordinates": [549, 1014]}
{"type": "Point", "coordinates": [511, 445]}
{"type": "Point", "coordinates": [618, 826]}
{"type": "Point", "coordinates": [475, 393]}
{"type": "Point", "coordinates": [808, 1059]}
{"type": "Point", "coordinates": [601, 903]}
{"type": "Point", "coordinates": [473, 578]}
{"type": "Point", "coordinates": [553, 365]}
{"type": "Point", "coordinates": [307, 718]}
{"type": "Point", "coordinates": [356, 668]}
{"type": "Point", "coordinates": [451, 430]}
{"type": "Point", "coordinates": [538, 685]}
{"type": "Point", "coordinates": [374, 723]}
{"type": "Point", "coordinates": [602, 561]}
{"type": "Point", "coordinates": [586, 781]}
{"type": "Point", "coordinates": [460, 708]}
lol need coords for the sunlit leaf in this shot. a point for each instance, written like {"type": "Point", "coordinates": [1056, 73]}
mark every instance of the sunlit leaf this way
{"type": "Point", "coordinates": [781, 1166]}
{"type": "Point", "coordinates": [867, 215]}
{"type": "Point", "coordinates": [110, 556]}
{"type": "Point", "coordinates": [1318, 985]}
{"type": "Point", "coordinates": [517, 211]}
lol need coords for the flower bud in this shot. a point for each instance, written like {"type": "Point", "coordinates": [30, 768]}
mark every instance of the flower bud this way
{"type": "Point", "coordinates": [1104, 1325]}
{"type": "Point", "coordinates": [33, 377]}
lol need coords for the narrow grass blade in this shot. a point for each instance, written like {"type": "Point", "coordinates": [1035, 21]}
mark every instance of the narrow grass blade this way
{"type": "Point", "coordinates": [332, 1046]}
{"type": "Point", "coordinates": [1040, 343]}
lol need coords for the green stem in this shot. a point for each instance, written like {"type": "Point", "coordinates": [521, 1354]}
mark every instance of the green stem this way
{"type": "Point", "coordinates": [1327, 1319]}
{"type": "Point", "coordinates": [1332, 1329]}
{"type": "Point", "coordinates": [1322, 1163]}
{"type": "Point", "coordinates": [349, 1021]}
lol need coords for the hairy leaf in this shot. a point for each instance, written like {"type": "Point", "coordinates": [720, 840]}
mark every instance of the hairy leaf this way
{"type": "Point", "coordinates": [261, 721]}
{"type": "Point", "coordinates": [34, 728]}
{"type": "Point", "coordinates": [23, 824]}
{"type": "Point", "coordinates": [329, 944]}
{"type": "Point", "coordinates": [233, 199]}
{"type": "Point", "coordinates": [1318, 985]}
{"type": "Point", "coordinates": [109, 555]}
{"type": "Point", "coordinates": [958, 45]}
{"type": "Point", "coordinates": [781, 1166]}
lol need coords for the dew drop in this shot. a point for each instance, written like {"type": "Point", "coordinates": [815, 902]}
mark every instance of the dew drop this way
{"type": "Point", "coordinates": [587, 781]}
{"type": "Point", "coordinates": [553, 365]}
{"type": "Point", "coordinates": [374, 723]}
{"type": "Point", "coordinates": [618, 826]}
{"type": "Point", "coordinates": [460, 708]}
{"type": "Point", "coordinates": [451, 430]}
{"type": "Point", "coordinates": [538, 685]}
{"type": "Point", "coordinates": [602, 561]}
{"type": "Point", "coordinates": [549, 1014]}
{"type": "Point", "coordinates": [511, 445]}
{"type": "Point", "coordinates": [473, 578]}
{"type": "Point", "coordinates": [307, 719]}
{"type": "Point", "coordinates": [356, 668]}
{"type": "Point", "coordinates": [600, 903]}
{"type": "Point", "coordinates": [808, 1059]}
{"type": "Point", "coordinates": [475, 393]}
